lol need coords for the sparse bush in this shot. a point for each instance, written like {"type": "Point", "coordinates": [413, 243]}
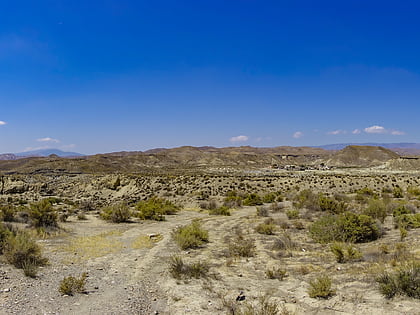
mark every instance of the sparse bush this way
{"type": "Point", "coordinates": [321, 287]}
{"type": "Point", "coordinates": [70, 285]}
{"type": "Point", "coordinates": [208, 205]}
{"type": "Point", "coordinates": [5, 232]}
{"type": "Point", "coordinates": [284, 242]}
{"type": "Point", "coordinates": [81, 216]}
{"type": "Point", "coordinates": [155, 209]}
{"type": "Point", "coordinates": [252, 199]}
{"type": "Point", "coordinates": [276, 273]}
{"type": "Point", "coordinates": [345, 252]}
{"type": "Point", "coordinates": [404, 281]}
{"type": "Point", "coordinates": [240, 246]}
{"type": "Point", "coordinates": [346, 227]}
{"type": "Point", "coordinates": [414, 191]}
{"type": "Point", "coordinates": [400, 210]}
{"type": "Point", "coordinates": [233, 199]}
{"type": "Point", "coordinates": [263, 211]}
{"type": "Point", "coordinates": [269, 198]}
{"type": "Point", "coordinates": [376, 209]}
{"type": "Point", "coordinates": [43, 215]}
{"type": "Point", "coordinates": [265, 228]}
{"type": "Point", "coordinates": [23, 252]}
{"type": "Point", "coordinates": [398, 192]}
{"type": "Point", "coordinates": [179, 269]}
{"type": "Point", "coordinates": [408, 221]}
{"type": "Point", "coordinates": [223, 210]}
{"type": "Point", "coordinates": [263, 307]}
{"type": "Point", "coordinates": [117, 213]}
{"type": "Point", "coordinates": [276, 207]}
{"type": "Point", "coordinates": [292, 214]}
{"type": "Point", "coordinates": [7, 213]}
{"type": "Point", "coordinates": [191, 235]}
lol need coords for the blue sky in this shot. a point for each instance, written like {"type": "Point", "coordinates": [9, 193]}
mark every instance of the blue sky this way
{"type": "Point", "coordinates": [112, 75]}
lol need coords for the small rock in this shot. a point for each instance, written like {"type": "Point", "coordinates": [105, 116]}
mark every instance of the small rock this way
{"type": "Point", "coordinates": [6, 290]}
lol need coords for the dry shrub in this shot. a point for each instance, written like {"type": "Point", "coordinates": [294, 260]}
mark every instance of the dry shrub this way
{"type": "Point", "coordinates": [191, 235]}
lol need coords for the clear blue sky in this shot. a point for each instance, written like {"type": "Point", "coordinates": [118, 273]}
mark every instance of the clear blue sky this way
{"type": "Point", "coordinates": [111, 75]}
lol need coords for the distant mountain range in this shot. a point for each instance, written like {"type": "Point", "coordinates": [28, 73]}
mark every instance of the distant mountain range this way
{"type": "Point", "coordinates": [38, 153]}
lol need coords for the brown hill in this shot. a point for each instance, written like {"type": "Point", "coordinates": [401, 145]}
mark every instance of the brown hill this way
{"type": "Point", "coordinates": [362, 156]}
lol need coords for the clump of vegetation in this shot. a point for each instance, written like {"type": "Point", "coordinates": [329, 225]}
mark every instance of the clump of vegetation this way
{"type": "Point", "coordinates": [345, 252]}
{"type": "Point", "coordinates": [223, 210]}
{"type": "Point", "coordinates": [331, 205]}
{"type": "Point", "coordinates": [252, 199]}
{"type": "Point", "coordinates": [346, 227]}
{"type": "Point", "coordinates": [321, 287]}
{"type": "Point", "coordinates": [276, 273]}
{"type": "Point", "coordinates": [263, 307]}
{"type": "Point", "coordinates": [180, 270]}
{"type": "Point", "coordinates": [70, 285]}
{"type": "Point", "coordinates": [376, 209]}
{"type": "Point", "coordinates": [263, 211]}
{"type": "Point", "coordinates": [404, 281]}
{"type": "Point", "coordinates": [398, 192]}
{"type": "Point", "coordinates": [408, 221]}
{"type": "Point", "coordinates": [266, 228]}
{"type": "Point", "coordinates": [208, 205]}
{"type": "Point", "coordinates": [241, 246]}
{"type": "Point", "coordinates": [23, 252]}
{"type": "Point", "coordinates": [43, 215]}
{"type": "Point", "coordinates": [233, 199]}
{"type": "Point", "coordinates": [155, 209]}
{"type": "Point", "coordinates": [116, 213]}
{"type": "Point", "coordinates": [284, 242]}
{"type": "Point", "coordinates": [269, 198]}
{"type": "Point", "coordinates": [191, 235]}
{"type": "Point", "coordinates": [7, 213]}
{"type": "Point", "coordinates": [292, 214]}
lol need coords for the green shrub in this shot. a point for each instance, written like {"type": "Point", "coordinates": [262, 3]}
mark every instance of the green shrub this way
{"type": "Point", "coordinates": [70, 285]}
{"type": "Point", "coordinates": [233, 199]}
{"type": "Point", "coordinates": [345, 252]}
{"type": "Point", "coordinates": [22, 251]}
{"type": "Point", "coordinates": [321, 287]}
{"type": "Point", "coordinates": [252, 199]}
{"type": "Point", "coordinates": [400, 210]}
{"type": "Point", "coordinates": [408, 221]}
{"type": "Point", "coordinates": [269, 198]}
{"type": "Point", "coordinates": [179, 269]}
{"type": "Point", "coordinates": [265, 228]}
{"type": "Point", "coordinates": [191, 235]}
{"type": "Point", "coordinates": [43, 215]}
{"type": "Point", "coordinates": [376, 209]}
{"type": "Point", "coordinates": [7, 213]}
{"type": "Point", "coordinates": [306, 199]}
{"type": "Point", "coordinates": [346, 227]}
{"type": "Point", "coordinates": [398, 192]}
{"type": "Point", "coordinates": [414, 191]}
{"type": "Point", "coordinates": [155, 209]}
{"type": "Point", "coordinates": [331, 205]}
{"type": "Point", "coordinates": [292, 214]}
{"type": "Point", "coordinates": [117, 213]}
{"type": "Point", "coordinates": [5, 232]}
{"type": "Point", "coordinates": [223, 210]}
{"type": "Point", "coordinates": [404, 281]}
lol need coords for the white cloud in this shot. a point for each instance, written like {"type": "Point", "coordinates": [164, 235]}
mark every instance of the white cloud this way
{"type": "Point", "coordinates": [336, 132]}
{"type": "Point", "coordinates": [356, 131]}
{"type": "Point", "coordinates": [298, 134]}
{"type": "Point", "coordinates": [397, 133]}
{"type": "Point", "coordinates": [239, 139]}
{"type": "Point", "coordinates": [48, 139]}
{"type": "Point", "coordinates": [382, 130]}
{"type": "Point", "coordinates": [2, 123]}
{"type": "Point", "coordinates": [375, 129]}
